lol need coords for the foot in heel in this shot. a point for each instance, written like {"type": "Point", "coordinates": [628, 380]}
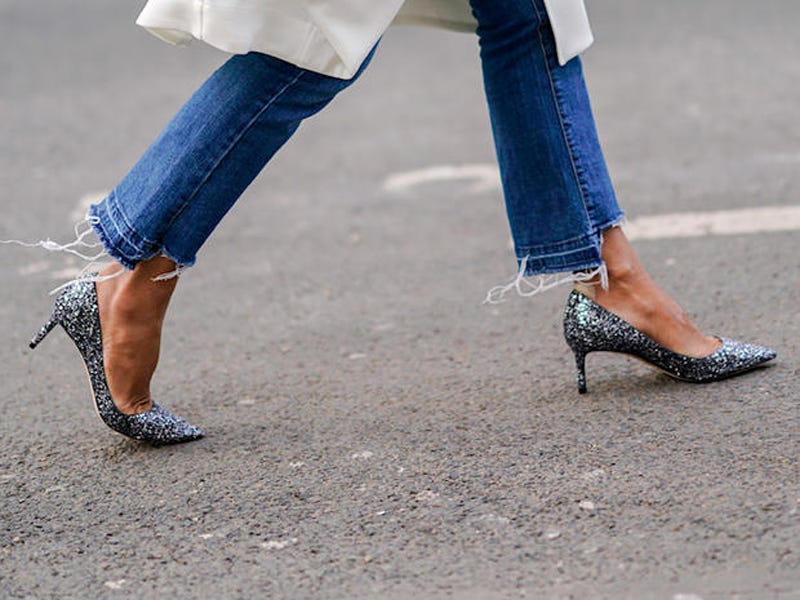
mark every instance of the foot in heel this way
{"type": "Point", "coordinates": [77, 311]}
{"type": "Point", "coordinates": [589, 326]}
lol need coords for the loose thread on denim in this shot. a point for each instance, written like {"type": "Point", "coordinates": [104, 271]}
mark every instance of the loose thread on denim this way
{"type": "Point", "coordinates": [91, 271]}
{"type": "Point", "coordinates": [177, 272]}
{"type": "Point", "coordinates": [85, 275]}
{"type": "Point", "coordinates": [537, 284]}
{"type": "Point", "coordinates": [72, 247]}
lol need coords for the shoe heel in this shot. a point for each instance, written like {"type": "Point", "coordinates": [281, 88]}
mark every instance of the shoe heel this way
{"type": "Point", "coordinates": [580, 368]}
{"type": "Point", "coordinates": [48, 327]}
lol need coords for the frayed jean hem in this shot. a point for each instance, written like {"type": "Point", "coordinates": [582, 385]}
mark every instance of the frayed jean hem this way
{"type": "Point", "coordinates": [573, 255]}
{"type": "Point", "coordinates": [121, 242]}
{"type": "Point", "coordinates": [577, 261]}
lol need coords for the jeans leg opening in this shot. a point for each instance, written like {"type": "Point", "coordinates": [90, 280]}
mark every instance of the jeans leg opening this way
{"type": "Point", "coordinates": [530, 281]}
{"type": "Point", "coordinates": [94, 253]}
{"type": "Point", "coordinates": [527, 286]}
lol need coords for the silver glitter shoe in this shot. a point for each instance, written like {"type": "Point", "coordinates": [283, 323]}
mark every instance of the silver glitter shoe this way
{"type": "Point", "coordinates": [77, 312]}
{"type": "Point", "coordinates": [588, 327]}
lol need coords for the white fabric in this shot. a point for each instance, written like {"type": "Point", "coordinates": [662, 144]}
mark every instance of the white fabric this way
{"type": "Point", "coordinates": [570, 25]}
{"type": "Point", "coordinates": [330, 36]}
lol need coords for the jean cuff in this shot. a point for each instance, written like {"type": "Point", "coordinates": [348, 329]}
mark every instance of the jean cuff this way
{"type": "Point", "coordinates": [120, 241]}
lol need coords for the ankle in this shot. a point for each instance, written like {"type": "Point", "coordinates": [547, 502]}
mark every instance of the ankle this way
{"type": "Point", "coordinates": [624, 267]}
{"type": "Point", "coordinates": [132, 296]}
{"type": "Point", "coordinates": [630, 293]}
{"type": "Point", "coordinates": [626, 274]}
{"type": "Point", "coordinates": [136, 405]}
{"type": "Point", "coordinates": [127, 309]}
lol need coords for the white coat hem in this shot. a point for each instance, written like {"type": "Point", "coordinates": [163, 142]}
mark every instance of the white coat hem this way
{"type": "Point", "coordinates": [332, 38]}
{"type": "Point", "coordinates": [299, 42]}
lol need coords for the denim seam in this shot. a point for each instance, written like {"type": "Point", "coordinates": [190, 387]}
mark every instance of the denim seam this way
{"type": "Point", "coordinates": [557, 103]}
{"type": "Point", "coordinates": [230, 147]}
{"type": "Point", "coordinates": [117, 207]}
{"type": "Point", "coordinates": [113, 222]}
{"type": "Point", "coordinates": [528, 251]}
{"type": "Point", "coordinates": [561, 243]}
{"type": "Point", "coordinates": [123, 231]}
{"type": "Point", "coordinates": [112, 250]}
{"type": "Point", "coordinates": [566, 268]}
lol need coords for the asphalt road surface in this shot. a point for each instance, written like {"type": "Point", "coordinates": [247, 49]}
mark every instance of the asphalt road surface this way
{"type": "Point", "coordinates": [374, 430]}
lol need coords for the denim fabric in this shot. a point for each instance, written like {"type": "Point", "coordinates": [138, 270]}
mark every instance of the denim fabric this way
{"type": "Point", "coordinates": [558, 194]}
{"type": "Point", "coordinates": [205, 158]}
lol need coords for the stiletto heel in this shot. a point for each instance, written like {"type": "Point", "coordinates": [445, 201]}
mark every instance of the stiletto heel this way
{"type": "Point", "coordinates": [77, 312]}
{"type": "Point", "coordinates": [580, 368]}
{"type": "Point", "coordinates": [588, 327]}
{"type": "Point", "coordinates": [42, 333]}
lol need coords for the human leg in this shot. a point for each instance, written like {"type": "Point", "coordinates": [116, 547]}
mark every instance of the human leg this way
{"type": "Point", "coordinates": [558, 193]}
{"type": "Point", "coordinates": [166, 207]}
{"type": "Point", "coordinates": [132, 308]}
{"type": "Point", "coordinates": [560, 201]}
{"type": "Point", "coordinates": [193, 173]}
{"type": "Point", "coordinates": [563, 212]}
{"type": "Point", "coordinates": [636, 298]}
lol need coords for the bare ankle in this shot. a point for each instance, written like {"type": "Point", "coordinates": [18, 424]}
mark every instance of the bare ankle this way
{"type": "Point", "coordinates": [624, 272]}
{"type": "Point", "coordinates": [134, 406]}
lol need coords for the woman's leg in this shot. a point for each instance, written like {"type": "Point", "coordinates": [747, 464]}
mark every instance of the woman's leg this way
{"type": "Point", "coordinates": [560, 201]}
{"type": "Point", "coordinates": [170, 202]}
{"type": "Point", "coordinates": [220, 140]}
{"type": "Point", "coordinates": [634, 296]}
{"type": "Point", "coordinates": [132, 309]}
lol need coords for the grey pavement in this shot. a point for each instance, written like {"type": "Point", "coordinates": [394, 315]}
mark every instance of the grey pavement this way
{"type": "Point", "coordinates": [374, 430]}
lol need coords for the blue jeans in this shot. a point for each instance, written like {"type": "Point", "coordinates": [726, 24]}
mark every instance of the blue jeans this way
{"type": "Point", "coordinates": [558, 194]}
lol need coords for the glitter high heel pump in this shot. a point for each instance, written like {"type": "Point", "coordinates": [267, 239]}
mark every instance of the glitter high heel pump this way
{"type": "Point", "coordinates": [588, 327]}
{"type": "Point", "coordinates": [77, 312]}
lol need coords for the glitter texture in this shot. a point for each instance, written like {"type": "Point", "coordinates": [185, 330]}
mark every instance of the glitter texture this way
{"type": "Point", "coordinates": [588, 327]}
{"type": "Point", "coordinates": [77, 312]}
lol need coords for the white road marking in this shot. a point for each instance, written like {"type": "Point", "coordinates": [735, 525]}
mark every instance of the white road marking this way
{"type": "Point", "coordinates": [116, 585]}
{"type": "Point", "coordinates": [485, 177]}
{"type": "Point", "coordinates": [767, 219]}
{"type": "Point", "coordinates": [34, 268]}
{"type": "Point", "coordinates": [278, 544]}
{"type": "Point", "coordinates": [68, 273]}
{"type": "Point", "coordinates": [362, 455]}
